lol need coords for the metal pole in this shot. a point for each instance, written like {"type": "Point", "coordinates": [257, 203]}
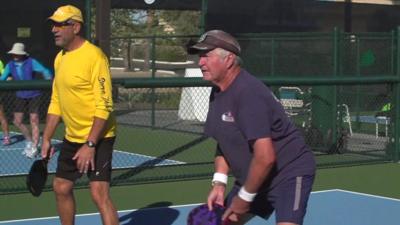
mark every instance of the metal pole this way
{"type": "Point", "coordinates": [396, 118]}
{"type": "Point", "coordinates": [203, 19]}
{"type": "Point", "coordinates": [153, 75]}
{"type": "Point", "coordinates": [357, 107]}
{"type": "Point", "coordinates": [272, 56]}
{"type": "Point", "coordinates": [88, 20]}
{"type": "Point", "coordinates": [336, 39]}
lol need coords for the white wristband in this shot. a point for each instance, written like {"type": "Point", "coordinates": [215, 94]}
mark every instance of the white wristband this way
{"type": "Point", "coordinates": [220, 177]}
{"type": "Point", "coordinates": [248, 197]}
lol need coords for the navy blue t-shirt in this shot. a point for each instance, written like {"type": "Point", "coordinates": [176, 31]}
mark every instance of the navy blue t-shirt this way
{"type": "Point", "coordinates": [247, 111]}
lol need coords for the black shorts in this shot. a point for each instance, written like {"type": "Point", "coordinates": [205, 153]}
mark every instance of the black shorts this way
{"type": "Point", "coordinates": [30, 105]}
{"type": "Point", "coordinates": [289, 200]}
{"type": "Point", "coordinates": [5, 98]}
{"type": "Point", "coordinates": [67, 169]}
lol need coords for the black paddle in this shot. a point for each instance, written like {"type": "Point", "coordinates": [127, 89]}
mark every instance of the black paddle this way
{"type": "Point", "coordinates": [37, 176]}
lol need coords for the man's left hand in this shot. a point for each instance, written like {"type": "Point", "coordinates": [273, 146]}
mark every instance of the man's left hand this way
{"type": "Point", "coordinates": [84, 158]}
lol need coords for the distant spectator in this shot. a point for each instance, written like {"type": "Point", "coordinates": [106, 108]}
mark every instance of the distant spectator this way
{"type": "Point", "coordinates": [24, 67]}
{"type": "Point", "coordinates": [1, 67]}
{"type": "Point", "coordinates": [385, 110]}
{"type": "Point", "coordinates": [3, 118]}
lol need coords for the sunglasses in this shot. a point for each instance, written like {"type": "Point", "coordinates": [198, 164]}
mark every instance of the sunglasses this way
{"type": "Point", "coordinates": [62, 24]}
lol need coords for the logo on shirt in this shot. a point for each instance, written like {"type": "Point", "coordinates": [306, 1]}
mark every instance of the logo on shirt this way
{"type": "Point", "coordinates": [228, 117]}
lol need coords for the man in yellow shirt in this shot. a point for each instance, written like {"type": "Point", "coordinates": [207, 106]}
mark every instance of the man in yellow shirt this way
{"type": "Point", "coordinates": [81, 97]}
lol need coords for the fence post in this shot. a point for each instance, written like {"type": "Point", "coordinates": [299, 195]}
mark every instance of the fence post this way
{"type": "Point", "coordinates": [203, 18]}
{"type": "Point", "coordinates": [153, 75]}
{"type": "Point", "coordinates": [88, 22]}
{"type": "Point", "coordinates": [396, 118]}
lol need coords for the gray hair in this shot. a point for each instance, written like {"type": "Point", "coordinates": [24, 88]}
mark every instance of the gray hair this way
{"type": "Point", "coordinates": [224, 53]}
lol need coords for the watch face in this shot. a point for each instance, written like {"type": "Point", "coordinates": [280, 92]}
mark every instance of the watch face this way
{"type": "Point", "coordinates": [90, 144]}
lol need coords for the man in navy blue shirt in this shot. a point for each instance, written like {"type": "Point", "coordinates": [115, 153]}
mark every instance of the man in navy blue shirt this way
{"type": "Point", "coordinates": [256, 141]}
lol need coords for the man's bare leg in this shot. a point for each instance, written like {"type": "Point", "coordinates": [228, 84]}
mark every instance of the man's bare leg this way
{"type": "Point", "coordinates": [65, 200]}
{"type": "Point", "coordinates": [100, 191]}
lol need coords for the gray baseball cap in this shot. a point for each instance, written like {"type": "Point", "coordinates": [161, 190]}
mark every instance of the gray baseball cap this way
{"type": "Point", "coordinates": [215, 39]}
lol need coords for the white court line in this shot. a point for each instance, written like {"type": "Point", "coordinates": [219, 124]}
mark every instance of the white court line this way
{"type": "Point", "coordinates": [13, 149]}
{"type": "Point", "coordinates": [369, 195]}
{"type": "Point", "coordinates": [170, 161]}
{"type": "Point", "coordinates": [5, 148]}
{"type": "Point", "coordinates": [133, 210]}
{"type": "Point", "coordinates": [92, 214]}
{"type": "Point", "coordinates": [357, 193]}
{"type": "Point", "coordinates": [115, 150]}
{"type": "Point", "coordinates": [324, 191]}
{"type": "Point", "coordinates": [189, 205]}
{"type": "Point", "coordinates": [173, 162]}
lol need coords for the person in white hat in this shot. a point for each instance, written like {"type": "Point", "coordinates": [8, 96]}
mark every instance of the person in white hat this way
{"type": "Point", "coordinates": [82, 98]}
{"type": "Point", "coordinates": [22, 67]}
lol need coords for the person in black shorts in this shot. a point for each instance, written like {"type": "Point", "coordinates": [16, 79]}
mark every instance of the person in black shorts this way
{"type": "Point", "coordinates": [23, 67]}
{"type": "Point", "coordinates": [256, 141]}
{"type": "Point", "coordinates": [82, 98]}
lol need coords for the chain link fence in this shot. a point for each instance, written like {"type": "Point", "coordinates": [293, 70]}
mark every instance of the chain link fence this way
{"type": "Point", "coordinates": [341, 90]}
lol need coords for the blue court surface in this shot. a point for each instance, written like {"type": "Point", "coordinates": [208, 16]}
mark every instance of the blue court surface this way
{"type": "Point", "coordinates": [12, 162]}
{"type": "Point", "coordinates": [371, 119]}
{"type": "Point", "coordinates": [332, 207]}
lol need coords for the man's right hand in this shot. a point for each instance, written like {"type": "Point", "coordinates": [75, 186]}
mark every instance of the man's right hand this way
{"type": "Point", "coordinates": [216, 196]}
{"type": "Point", "coordinates": [46, 147]}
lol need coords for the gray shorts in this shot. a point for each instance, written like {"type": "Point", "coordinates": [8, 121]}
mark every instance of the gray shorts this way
{"type": "Point", "coordinates": [289, 200]}
{"type": "Point", "coordinates": [67, 169]}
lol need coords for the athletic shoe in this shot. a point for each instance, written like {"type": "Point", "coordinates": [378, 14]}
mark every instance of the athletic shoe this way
{"type": "Point", "coordinates": [6, 140]}
{"type": "Point", "coordinates": [28, 148]}
{"type": "Point", "coordinates": [32, 153]}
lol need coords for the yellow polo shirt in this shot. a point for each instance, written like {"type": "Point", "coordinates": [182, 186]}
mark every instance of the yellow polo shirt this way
{"type": "Point", "coordinates": [82, 91]}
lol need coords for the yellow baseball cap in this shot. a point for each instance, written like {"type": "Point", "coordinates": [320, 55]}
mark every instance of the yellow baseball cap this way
{"type": "Point", "coordinates": [65, 13]}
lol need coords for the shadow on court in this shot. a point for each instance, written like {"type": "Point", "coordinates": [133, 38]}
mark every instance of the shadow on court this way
{"type": "Point", "coordinates": [156, 213]}
{"type": "Point", "coordinates": [16, 138]}
{"type": "Point", "coordinates": [153, 162]}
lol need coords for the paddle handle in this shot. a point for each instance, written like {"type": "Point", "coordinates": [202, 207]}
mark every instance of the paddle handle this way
{"type": "Point", "coordinates": [47, 158]}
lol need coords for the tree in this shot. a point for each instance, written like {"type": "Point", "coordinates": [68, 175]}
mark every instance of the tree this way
{"type": "Point", "coordinates": [129, 27]}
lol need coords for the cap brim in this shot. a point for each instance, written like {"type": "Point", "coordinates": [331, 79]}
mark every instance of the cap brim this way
{"type": "Point", "coordinates": [60, 19]}
{"type": "Point", "coordinates": [200, 47]}
{"type": "Point", "coordinates": [17, 53]}
{"type": "Point", "coordinates": [57, 19]}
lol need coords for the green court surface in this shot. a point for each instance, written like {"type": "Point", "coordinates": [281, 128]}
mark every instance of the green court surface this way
{"type": "Point", "coordinates": [378, 179]}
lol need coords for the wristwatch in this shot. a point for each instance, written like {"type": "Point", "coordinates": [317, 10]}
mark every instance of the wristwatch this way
{"type": "Point", "coordinates": [90, 144]}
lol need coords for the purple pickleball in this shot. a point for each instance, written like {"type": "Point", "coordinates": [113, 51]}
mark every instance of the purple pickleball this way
{"type": "Point", "coordinates": [200, 215]}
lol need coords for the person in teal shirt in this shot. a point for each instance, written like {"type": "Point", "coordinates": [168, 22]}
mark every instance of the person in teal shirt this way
{"type": "Point", "coordinates": [23, 67]}
{"type": "Point", "coordinates": [1, 67]}
{"type": "Point", "coordinates": [3, 118]}
{"type": "Point", "coordinates": [385, 110]}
